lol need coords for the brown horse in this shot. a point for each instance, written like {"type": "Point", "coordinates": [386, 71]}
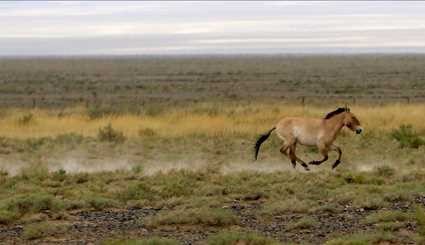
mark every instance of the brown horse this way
{"type": "Point", "coordinates": [312, 132]}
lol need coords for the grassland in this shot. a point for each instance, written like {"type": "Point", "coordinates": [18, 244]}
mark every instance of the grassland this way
{"type": "Point", "coordinates": [178, 166]}
{"type": "Point", "coordinates": [140, 84]}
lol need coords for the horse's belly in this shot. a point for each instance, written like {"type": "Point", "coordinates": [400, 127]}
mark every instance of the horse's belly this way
{"type": "Point", "coordinates": [310, 141]}
{"type": "Point", "coordinates": [303, 137]}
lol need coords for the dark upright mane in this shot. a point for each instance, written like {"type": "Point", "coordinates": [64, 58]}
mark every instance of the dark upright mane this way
{"type": "Point", "coordinates": [336, 112]}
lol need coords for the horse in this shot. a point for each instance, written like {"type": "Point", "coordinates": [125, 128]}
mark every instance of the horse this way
{"type": "Point", "coordinates": [319, 132]}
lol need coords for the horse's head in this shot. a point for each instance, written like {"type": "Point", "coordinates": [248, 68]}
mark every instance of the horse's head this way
{"type": "Point", "coordinates": [351, 122]}
{"type": "Point", "coordinates": [348, 118]}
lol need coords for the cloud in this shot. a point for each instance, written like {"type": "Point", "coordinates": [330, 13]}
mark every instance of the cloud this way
{"type": "Point", "coordinates": [173, 27]}
{"type": "Point", "coordinates": [72, 9]}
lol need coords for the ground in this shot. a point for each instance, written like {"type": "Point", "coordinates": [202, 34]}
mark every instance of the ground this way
{"type": "Point", "coordinates": [159, 150]}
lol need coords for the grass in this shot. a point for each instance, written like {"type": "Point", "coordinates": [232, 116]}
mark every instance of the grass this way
{"type": "Point", "coordinates": [387, 216]}
{"type": "Point", "coordinates": [234, 237]}
{"type": "Point", "coordinates": [303, 223]}
{"type": "Point", "coordinates": [198, 216]}
{"type": "Point", "coordinates": [200, 194]}
{"type": "Point", "coordinates": [203, 197]}
{"type": "Point", "coordinates": [420, 220]}
{"type": "Point", "coordinates": [407, 137]}
{"type": "Point", "coordinates": [290, 205]}
{"type": "Point", "coordinates": [139, 84]}
{"type": "Point", "coordinates": [216, 135]}
{"type": "Point", "coordinates": [109, 134]}
{"type": "Point", "coordinates": [390, 221]}
{"type": "Point", "coordinates": [365, 239]}
{"type": "Point", "coordinates": [21, 204]}
{"type": "Point", "coordinates": [147, 241]}
{"type": "Point", "coordinates": [43, 229]}
{"type": "Point", "coordinates": [228, 119]}
{"type": "Point", "coordinates": [7, 217]}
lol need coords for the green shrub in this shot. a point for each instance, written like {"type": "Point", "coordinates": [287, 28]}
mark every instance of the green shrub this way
{"type": "Point", "coordinates": [136, 192]}
{"type": "Point", "coordinates": [36, 171]}
{"type": "Point", "coordinates": [71, 138]}
{"type": "Point", "coordinates": [59, 175]}
{"type": "Point", "coordinates": [183, 183]}
{"type": "Point", "coordinates": [226, 238]}
{"type": "Point", "coordinates": [147, 132]}
{"type": "Point", "coordinates": [420, 220]}
{"type": "Point", "coordinates": [26, 119]}
{"type": "Point", "coordinates": [43, 229]}
{"type": "Point", "coordinates": [362, 178]}
{"type": "Point", "coordinates": [100, 203]}
{"type": "Point", "coordinates": [386, 216]}
{"type": "Point", "coordinates": [407, 137]}
{"type": "Point", "coordinates": [365, 239]}
{"type": "Point", "coordinates": [385, 171]}
{"type": "Point", "coordinates": [7, 217]}
{"type": "Point", "coordinates": [290, 205]}
{"type": "Point", "coordinates": [33, 203]}
{"type": "Point", "coordinates": [34, 144]}
{"type": "Point", "coordinates": [370, 202]}
{"type": "Point", "coordinates": [152, 111]}
{"type": "Point", "coordinates": [195, 216]}
{"type": "Point", "coordinates": [148, 241]}
{"type": "Point", "coordinates": [303, 223]}
{"type": "Point", "coordinates": [109, 134]}
{"type": "Point", "coordinates": [96, 111]}
{"type": "Point", "coordinates": [391, 226]}
{"type": "Point", "coordinates": [137, 168]}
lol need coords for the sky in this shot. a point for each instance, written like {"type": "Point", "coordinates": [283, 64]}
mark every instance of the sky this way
{"type": "Point", "coordinates": [150, 28]}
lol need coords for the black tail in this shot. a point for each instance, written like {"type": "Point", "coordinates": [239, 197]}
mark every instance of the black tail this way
{"type": "Point", "coordinates": [260, 141]}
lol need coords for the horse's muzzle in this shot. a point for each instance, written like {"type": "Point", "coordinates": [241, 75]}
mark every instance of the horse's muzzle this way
{"type": "Point", "coordinates": [359, 130]}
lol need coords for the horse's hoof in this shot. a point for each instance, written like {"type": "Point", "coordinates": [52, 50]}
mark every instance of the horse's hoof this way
{"type": "Point", "coordinates": [336, 163]}
{"type": "Point", "coordinates": [314, 163]}
{"type": "Point", "coordinates": [307, 169]}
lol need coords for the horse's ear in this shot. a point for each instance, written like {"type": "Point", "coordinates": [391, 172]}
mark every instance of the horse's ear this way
{"type": "Point", "coordinates": [346, 108]}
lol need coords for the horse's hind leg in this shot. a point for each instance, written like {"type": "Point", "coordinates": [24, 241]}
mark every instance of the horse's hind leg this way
{"type": "Point", "coordinates": [284, 150]}
{"type": "Point", "coordinates": [294, 157]}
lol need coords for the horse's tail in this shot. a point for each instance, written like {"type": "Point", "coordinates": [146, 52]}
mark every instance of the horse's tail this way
{"type": "Point", "coordinates": [260, 140]}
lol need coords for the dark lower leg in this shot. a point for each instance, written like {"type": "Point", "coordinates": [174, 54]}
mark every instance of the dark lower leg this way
{"type": "Point", "coordinates": [303, 163]}
{"type": "Point", "coordinates": [338, 161]}
{"type": "Point", "coordinates": [284, 149]}
{"type": "Point", "coordinates": [325, 158]}
{"type": "Point", "coordinates": [293, 156]}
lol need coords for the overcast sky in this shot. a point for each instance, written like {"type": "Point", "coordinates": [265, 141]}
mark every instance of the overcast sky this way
{"type": "Point", "coordinates": [95, 28]}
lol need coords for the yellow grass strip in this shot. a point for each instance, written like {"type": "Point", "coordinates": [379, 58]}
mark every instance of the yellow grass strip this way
{"type": "Point", "coordinates": [206, 119]}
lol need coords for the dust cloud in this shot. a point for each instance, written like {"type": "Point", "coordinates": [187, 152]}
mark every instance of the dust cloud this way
{"type": "Point", "coordinates": [86, 165]}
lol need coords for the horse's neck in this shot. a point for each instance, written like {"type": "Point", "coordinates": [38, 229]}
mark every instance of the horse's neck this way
{"type": "Point", "coordinates": [335, 124]}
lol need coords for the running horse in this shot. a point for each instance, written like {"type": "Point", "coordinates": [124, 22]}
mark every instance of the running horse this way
{"type": "Point", "coordinates": [319, 132]}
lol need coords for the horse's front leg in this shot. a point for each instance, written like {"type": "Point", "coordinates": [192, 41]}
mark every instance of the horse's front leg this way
{"type": "Point", "coordinates": [324, 152]}
{"type": "Point", "coordinates": [338, 160]}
